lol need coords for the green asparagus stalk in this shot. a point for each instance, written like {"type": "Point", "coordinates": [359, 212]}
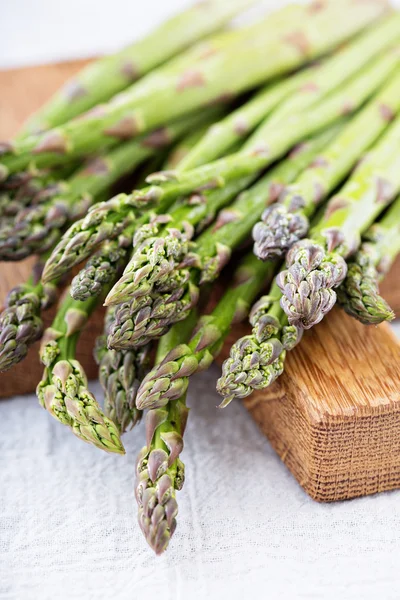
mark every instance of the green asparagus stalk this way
{"type": "Point", "coordinates": [63, 389]}
{"type": "Point", "coordinates": [200, 52]}
{"type": "Point", "coordinates": [182, 148]}
{"type": "Point", "coordinates": [168, 380]}
{"type": "Point", "coordinates": [257, 360]}
{"type": "Point", "coordinates": [39, 227]}
{"type": "Point", "coordinates": [159, 470]}
{"type": "Point", "coordinates": [359, 293]}
{"type": "Point", "coordinates": [243, 67]}
{"type": "Point", "coordinates": [287, 221]}
{"type": "Point", "coordinates": [259, 152]}
{"type": "Point", "coordinates": [146, 317]}
{"type": "Point", "coordinates": [20, 322]}
{"type": "Point", "coordinates": [120, 374]}
{"type": "Point", "coordinates": [293, 94]}
{"type": "Point", "coordinates": [106, 77]}
{"type": "Point", "coordinates": [315, 266]}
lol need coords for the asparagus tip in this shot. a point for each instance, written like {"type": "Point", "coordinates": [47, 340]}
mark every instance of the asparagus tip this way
{"type": "Point", "coordinates": [307, 284]}
{"type": "Point", "coordinates": [277, 231]}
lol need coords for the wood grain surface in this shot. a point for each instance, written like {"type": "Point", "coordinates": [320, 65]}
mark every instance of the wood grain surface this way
{"type": "Point", "coordinates": [333, 418]}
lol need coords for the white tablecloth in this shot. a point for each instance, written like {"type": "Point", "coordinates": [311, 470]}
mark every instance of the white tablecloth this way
{"type": "Point", "coordinates": [245, 527]}
{"type": "Point", "coordinates": [68, 519]}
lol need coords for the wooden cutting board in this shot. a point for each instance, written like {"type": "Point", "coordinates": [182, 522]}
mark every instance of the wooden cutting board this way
{"type": "Point", "coordinates": [333, 417]}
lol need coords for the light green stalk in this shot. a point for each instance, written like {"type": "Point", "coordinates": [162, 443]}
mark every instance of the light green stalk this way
{"type": "Point", "coordinates": [359, 293]}
{"type": "Point", "coordinates": [63, 389]}
{"type": "Point", "coordinates": [159, 470]}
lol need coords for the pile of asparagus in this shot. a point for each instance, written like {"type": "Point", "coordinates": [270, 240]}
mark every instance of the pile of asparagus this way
{"type": "Point", "coordinates": [286, 131]}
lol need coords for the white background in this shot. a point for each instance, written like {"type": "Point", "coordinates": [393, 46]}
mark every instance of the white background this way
{"type": "Point", "coordinates": [245, 527]}
{"type": "Point", "coordinates": [34, 31]}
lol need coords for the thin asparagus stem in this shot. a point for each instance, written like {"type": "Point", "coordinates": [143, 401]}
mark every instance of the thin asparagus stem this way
{"type": "Point", "coordinates": [63, 389]}
{"type": "Point", "coordinates": [159, 470]}
{"type": "Point", "coordinates": [359, 293]}
{"type": "Point", "coordinates": [106, 77]}
{"type": "Point", "coordinates": [294, 94]}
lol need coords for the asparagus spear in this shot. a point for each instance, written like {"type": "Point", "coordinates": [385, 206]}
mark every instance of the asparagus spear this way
{"type": "Point", "coordinates": [260, 151]}
{"type": "Point", "coordinates": [315, 266]}
{"type": "Point", "coordinates": [287, 221]}
{"type": "Point", "coordinates": [235, 71]}
{"type": "Point", "coordinates": [359, 293]}
{"type": "Point", "coordinates": [159, 469]}
{"type": "Point", "coordinates": [120, 374]}
{"type": "Point", "coordinates": [39, 227]}
{"type": "Point", "coordinates": [293, 94]}
{"type": "Point", "coordinates": [149, 316]}
{"type": "Point", "coordinates": [20, 322]}
{"type": "Point", "coordinates": [103, 79]}
{"type": "Point", "coordinates": [257, 360]}
{"type": "Point", "coordinates": [169, 379]}
{"type": "Point", "coordinates": [63, 389]}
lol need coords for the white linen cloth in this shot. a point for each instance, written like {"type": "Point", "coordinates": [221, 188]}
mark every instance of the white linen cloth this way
{"type": "Point", "coordinates": [245, 527]}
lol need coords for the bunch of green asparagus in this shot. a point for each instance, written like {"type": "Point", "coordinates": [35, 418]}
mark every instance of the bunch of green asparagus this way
{"type": "Point", "coordinates": [285, 132]}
